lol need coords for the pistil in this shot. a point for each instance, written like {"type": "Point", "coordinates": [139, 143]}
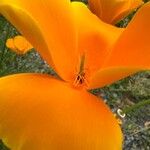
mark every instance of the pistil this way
{"type": "Point", "coordinates": [81, 77]}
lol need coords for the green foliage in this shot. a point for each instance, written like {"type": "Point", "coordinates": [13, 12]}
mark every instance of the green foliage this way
{"type": "Point", "coordinates": [10, 62]}
{"type": "Point", "coordinates": [2, 146]}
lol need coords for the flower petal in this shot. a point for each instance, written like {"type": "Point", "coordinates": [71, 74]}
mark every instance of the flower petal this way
{"type": "Point", "coordinates": [94, 37]}
{"type": "Point", "coordinates": [130, 54]}
{"type": "Point", "coordinates": [38, 112]}
{"type": "Point", "coordinates": [111, 11]}
{"type": "Point", "coordinates": [49, 27]}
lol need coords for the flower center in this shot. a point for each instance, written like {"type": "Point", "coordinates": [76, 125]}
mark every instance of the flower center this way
{"type": "Point", "coordinates": [81, 77]}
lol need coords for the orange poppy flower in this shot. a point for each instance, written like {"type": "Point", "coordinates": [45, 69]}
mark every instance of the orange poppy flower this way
{"type": "Point", "coordinates": [112, 11]}
{"type": "Point", "coordinates": [18, 44]}
{"type": "Point", "coordinates": [40, 112]}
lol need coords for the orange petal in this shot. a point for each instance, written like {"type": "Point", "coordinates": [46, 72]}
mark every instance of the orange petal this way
{"type": "Point", "coordinates": [33, 116]}
{"type": "Point", "coordinates": [94, 37]}
{"type": "Point", "coordinates": [19, 44]}
{"type": "Point", "coordinates": [22, 44]}
{"type": "Point", "coordinates": [49, 28]}
{"type": "Point", "coordinates": [111, 11]}
{"type": "Point", "coordinates": [10, 44]}
{"type": "Point", "coordinates": [130, 54]}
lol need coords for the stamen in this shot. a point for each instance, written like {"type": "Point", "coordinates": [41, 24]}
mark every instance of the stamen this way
{"type": "Point", "coordinates": [81, 76]}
